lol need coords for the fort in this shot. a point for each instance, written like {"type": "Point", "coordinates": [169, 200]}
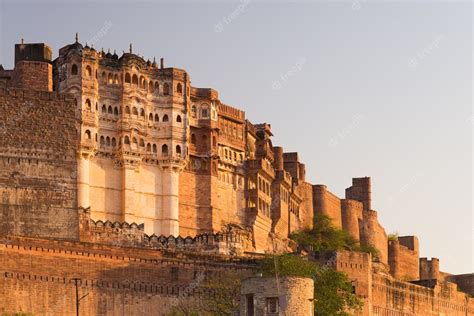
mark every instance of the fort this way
{"type": "Point", "coordinates": [119, 177]}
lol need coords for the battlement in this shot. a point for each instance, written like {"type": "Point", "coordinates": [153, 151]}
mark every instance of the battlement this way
{"type": "Point", "coordinates": [291, 157]}
{"type": "Point", "coordinates": [36, 94]}
{"type": "Point", "coordinates": [370, 214]}
{"type": "Point", "coordinates": [204, 93]}
{"type": "Point", "coordinates": [231, 112]}
{"type": "Point", "coordinates": [39, 52]}
{"type": "Point", "coordinates": [232, 240]}
{"type": "Point", "coordinates": [429, 269]}
{"type": "Point", "coordinates": [353, 204]}
{"type": "Point", "coordinates": [410, 242]}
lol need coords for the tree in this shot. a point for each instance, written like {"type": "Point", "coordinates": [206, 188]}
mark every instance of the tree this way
{"type": "Point", "coordinates": [333, 291]}
{"type": "Point", "coordinates": [324, 237]}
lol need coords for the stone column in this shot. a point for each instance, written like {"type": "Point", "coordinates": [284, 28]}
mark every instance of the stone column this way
{"type": "Point", "coordinates": [170, 219]}
{"type": "Point", "coordinates": [83, 187]}
{"type": "Point", "coordinates": [128, 193]}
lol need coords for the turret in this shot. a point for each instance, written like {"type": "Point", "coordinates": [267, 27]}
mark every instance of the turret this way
{"type": "Point", "coordinates": [33, 68]}
{"type": "Point", "coordinates": [361, 191]}
{"type": "Point", "coordinates": [429, 269]}
{"type": "Point", "coordinates": [278, 162]}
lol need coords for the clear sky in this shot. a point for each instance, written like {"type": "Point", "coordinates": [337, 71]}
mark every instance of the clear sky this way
{"type": "Point", "coordinates": [357, 87]}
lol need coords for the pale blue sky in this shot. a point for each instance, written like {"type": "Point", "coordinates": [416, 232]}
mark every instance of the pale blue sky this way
{"type": "Point", "coordinates": [358, 88]}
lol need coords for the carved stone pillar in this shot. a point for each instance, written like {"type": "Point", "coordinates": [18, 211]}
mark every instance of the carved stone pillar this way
{"type": "Point", "coordinates": [170, 190]}
{"type": "Point", "coordinates": [128, 191]}
{"type": "Point", "coordinates": [83, 180]}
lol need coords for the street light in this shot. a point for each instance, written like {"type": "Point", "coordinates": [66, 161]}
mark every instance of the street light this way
{"type": "Point", "coordinates": [77, 295]}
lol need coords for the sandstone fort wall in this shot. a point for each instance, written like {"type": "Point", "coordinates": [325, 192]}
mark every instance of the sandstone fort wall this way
{"type": "Point", "coordinates": [37, 165]}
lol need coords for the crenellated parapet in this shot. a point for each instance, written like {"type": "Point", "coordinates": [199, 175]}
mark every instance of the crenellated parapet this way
{"type": "Point", "coordinates": [231, 240]}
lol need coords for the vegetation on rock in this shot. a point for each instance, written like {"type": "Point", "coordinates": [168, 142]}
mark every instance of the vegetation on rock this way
{"type": "Point", "coordinates": [324, 237]}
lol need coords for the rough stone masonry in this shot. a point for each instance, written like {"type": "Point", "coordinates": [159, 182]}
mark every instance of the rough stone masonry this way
{"type": "Point", "coordinates": [120, 176]}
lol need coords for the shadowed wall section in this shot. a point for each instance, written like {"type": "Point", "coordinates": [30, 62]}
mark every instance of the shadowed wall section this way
{"type": "Point", "coordinates": [37, 165]}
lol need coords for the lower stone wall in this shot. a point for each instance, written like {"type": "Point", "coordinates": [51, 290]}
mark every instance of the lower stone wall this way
{"type": "Point", "coordinates": [393, 297]}
{"type": "Point", "coordinates": [387, 296]}
{"type": "Point", "coordinates": [37, 277]}
{"type": "Point", "coordinates": [47, 295]}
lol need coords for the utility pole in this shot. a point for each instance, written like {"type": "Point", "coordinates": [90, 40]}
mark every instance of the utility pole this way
{"type": "Point", "coordinates": [77, 295]}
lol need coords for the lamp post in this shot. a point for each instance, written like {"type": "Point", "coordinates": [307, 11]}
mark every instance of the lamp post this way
{"type": "Point", "coordinates": [76, 281]}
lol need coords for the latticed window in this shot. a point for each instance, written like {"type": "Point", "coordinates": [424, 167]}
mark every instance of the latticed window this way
{"type": "Point", "coordinates": [273, 306]}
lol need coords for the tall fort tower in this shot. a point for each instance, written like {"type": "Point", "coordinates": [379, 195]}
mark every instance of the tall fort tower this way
{"type": "Point", "coordinates": [133, 130]}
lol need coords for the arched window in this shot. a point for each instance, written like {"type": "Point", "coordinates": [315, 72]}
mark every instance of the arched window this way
{"type": "Point", "coordinates": [110, 79]}
{"type": "Point", "coordinates": [164, 150]}
{"type": "Point", "coordinates": [104, 108]}
{"type": "Point", "coordinates": [150, 117]}
{"type": "Point", "coordinates": [157, 118]}
{"type": "Point", "coordinates": [114, 142]}
{"type": "Point", "coordinates": [102, 141]}
{"type": "Point", "coordinates": [179, 88]}
{"type": "Point", "coordinates": [116, 112]}
{"type": "Point", "coordinates": [142, 142]}
{"type": "Point", "coordinates": [134, 111]}
{"type": "Point", "coordinates": [166, 89]}
{"type": "Point", "coordinates": [88, 134]}
{"type": "Point", "coordinates": [150, 87]}
{"type": "Point", "coordinates": [126, 140]}
{"type": "Point", "coordinates": [193, 111]}
{"type": "Point", "coordinates": [165, 118]}
{"type": "Point", "coordinates": [178, 118]}
{"type": "Point", "coordinates": [148, 147]}
{"type": "Point", "coordinates": [107, 141]}
{"type": "Point", "coordinates": [74, 70]}
{"type": "Point", "coordinates": [116, 79]}
{"type": "Point", "coordinates": [204, 112]}
{"type": "Point", "coordinates": [178, 150]}
{"type": "Point", "coordinates": [154, 148]}
{"type": "Point", "coordinates": [157, 88]}
{"type": "Point", "coordinates": [127, 110]}
{"type": "Point", "coordinates": [88, 71]}
{"type": "Point", "coordinates": [135, 80]}
{"type": "Point", "coordinates": [142, 82]}
{"type": "Point", "coordinates": [142, 113]}
{"type": "Point", "coordinates": [110, 110]}
{"type": "Point", "coordinates": [193, 139]}
{"type": "Point", "coordinates": [104, 77]}
{"type": "Point", "coordinates": [134, 140]}
{"type": "Point", "coordinates": [127, 78]}
{"type": "Point", "coordinates": [88, 105]}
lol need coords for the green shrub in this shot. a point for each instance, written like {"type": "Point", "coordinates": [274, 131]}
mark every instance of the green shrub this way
{"type": "Point", "coordinates": [333, 291]}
